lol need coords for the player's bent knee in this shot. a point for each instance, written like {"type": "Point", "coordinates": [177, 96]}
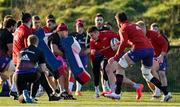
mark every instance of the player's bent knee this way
{"type": "Point", "coordinates": [146, 72]}
{"type": "Point", "coordinates": [123, 62]}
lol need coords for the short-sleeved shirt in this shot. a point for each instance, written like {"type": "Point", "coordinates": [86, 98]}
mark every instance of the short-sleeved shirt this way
{"type": "Point", "coordinates": [55, 39]}
{"type": "Point", "coordinates": [6, 37]}
{"type": "Point", "coordinates": [28, 59]}
{"type": "Point", "coordinates": [20, 40]}
{"type": "Point", "coordinates": [159, 43]}
{"type": "Point", "coordinates": [81, 38]}
{"type": "Point", "coordinates": [134, 34]}
{"type": "Point", "coordinates": [46, 29]}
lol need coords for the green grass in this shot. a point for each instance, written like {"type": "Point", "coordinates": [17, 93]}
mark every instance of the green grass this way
{"type": "Point", "coordinates": [88, 100]}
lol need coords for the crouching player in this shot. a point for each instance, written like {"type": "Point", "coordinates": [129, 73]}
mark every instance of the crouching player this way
{"type": "Point", "coordinates": [27, 68]}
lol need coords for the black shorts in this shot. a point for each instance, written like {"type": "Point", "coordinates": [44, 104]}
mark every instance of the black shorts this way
{"type": "Point", "coordinates": [22, 80]}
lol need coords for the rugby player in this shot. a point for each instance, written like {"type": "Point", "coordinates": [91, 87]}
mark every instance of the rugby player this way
{"type": "Point", "coordinates": [142, 50]}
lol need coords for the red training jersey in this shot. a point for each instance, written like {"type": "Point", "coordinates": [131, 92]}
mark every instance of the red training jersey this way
{"type": "Point", "coordinates": [20, 40]}
{"type": "Point", "coordinates": [102, 45]}
{"type": "Point", "coordinates": [46, 29]}
{"type": "Point", "coordinates": [158, 41]}
{"type": "Point", "coordinates": [134, 34]}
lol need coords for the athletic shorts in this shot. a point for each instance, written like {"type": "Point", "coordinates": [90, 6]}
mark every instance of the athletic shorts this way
{"type": "Point", "coordinates": [145, 55]}
{"type": "Point", "coordinates": [26, 71]}
{"type": "Point", "coordinates": [4, 61]}
{"type": "Point", "coordinates": [64, 65]}
{"type": "Point", "coordinates": [163, 65]}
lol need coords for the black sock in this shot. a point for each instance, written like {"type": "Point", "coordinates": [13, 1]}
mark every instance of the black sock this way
{"type": "Point", "coordinates": [157, 83]}
{"type": "Point", "coordinates": [165, 87]}
{"type": "Point", "coordinates": [119, 80]}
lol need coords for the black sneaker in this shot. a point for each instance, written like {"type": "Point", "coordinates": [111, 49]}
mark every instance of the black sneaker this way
{"type": "Point", "coordinates": [67, 96]}
{"type": "Point", "coordinates": [54, 98]}
{"type": "Point", "coordinates": [14, 95]}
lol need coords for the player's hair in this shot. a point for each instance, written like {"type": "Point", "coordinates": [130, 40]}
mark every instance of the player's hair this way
{"type": "Point", "coordinates": [141, 23]}
{"type": "Point", "coordinates": [8, 16]}
{"type": "Point", "coordinates": [33, 39]}
{"type": "Point", "coordinates": [19, 22]}
{"type": "Point", "coordinates": [9, 22]}
{"type": "Point", "coordinates": [99, 15]}
{"type": "Point", "coordinates": [51, 18]}
{"type": "Point", "coordinates": [92, 29]}
{"type": "Point", "coordinates": [154, 25]}
{"type": "Point", "coordinates": [26, 17]}
{"type": "Point", "coordinates": [122, 17]}
{"type": "Point", "coordinates": [35, 17]}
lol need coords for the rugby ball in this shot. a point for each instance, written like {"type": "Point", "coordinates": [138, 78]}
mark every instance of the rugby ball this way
{"type": "Point", "coordinates": [114, 43]}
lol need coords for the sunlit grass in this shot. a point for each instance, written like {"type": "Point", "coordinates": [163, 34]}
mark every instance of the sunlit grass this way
{"type": "Point", "coordinates": [88, 100]}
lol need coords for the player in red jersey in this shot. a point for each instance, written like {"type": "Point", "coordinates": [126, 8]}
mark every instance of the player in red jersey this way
{"type": "Point", "coordinates": [21, 34]}
{"type": "Point", "coordinates": [160, 45]}
{"type": "Point", "coordinates": [142, 50]}
{"type": "Point", "coordinates": [20, 40]}
{"type": "Point", "coordinates": [100, 41]}
{"type": "Point", "coordinates": [50, 24]}
{"type": "Point", "coordinates": [98, 61]}
{"type": "Point", "coordinates": [36, 22]}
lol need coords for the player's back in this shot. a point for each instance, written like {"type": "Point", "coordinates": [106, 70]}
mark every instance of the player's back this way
{"type": "Point", "coordinates": [135, 35]}
{"type": "Point", "coordinates": [158, 41]}
{"type": "Point", "coordinates": [29, 57]}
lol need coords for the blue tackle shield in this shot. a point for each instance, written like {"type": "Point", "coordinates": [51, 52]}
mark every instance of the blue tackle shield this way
{"type": "Point", "coordinates": [51, 60]}
{"type": "Point", "coordinates": [71, 50]}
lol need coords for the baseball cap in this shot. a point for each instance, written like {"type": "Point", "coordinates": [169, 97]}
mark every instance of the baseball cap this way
{"type": "Point", "coordinates": [62, 27]}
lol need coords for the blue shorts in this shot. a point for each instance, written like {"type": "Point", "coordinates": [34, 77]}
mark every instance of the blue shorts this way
{"type": "Point", "coordinates": [163, 65]}
{"type": "Point", "coordinates": [144, 54]}
{"type": "Point", "coordinates": [4, 61]}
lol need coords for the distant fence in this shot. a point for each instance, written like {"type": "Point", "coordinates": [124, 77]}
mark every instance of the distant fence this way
{"type": "Point", "coordinates": [134, 73]}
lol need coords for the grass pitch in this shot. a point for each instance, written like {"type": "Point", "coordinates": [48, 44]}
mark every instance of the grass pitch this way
{"type": "Point", "coordinates": [88, 100]}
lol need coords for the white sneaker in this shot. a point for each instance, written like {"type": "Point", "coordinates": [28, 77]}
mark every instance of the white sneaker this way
{"type": "Point", "coordinates": [113, 96]}
{"type": "Point", "coordinates": [167, 97]}
{"type": "Point", "coordinates": [40, 91]}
